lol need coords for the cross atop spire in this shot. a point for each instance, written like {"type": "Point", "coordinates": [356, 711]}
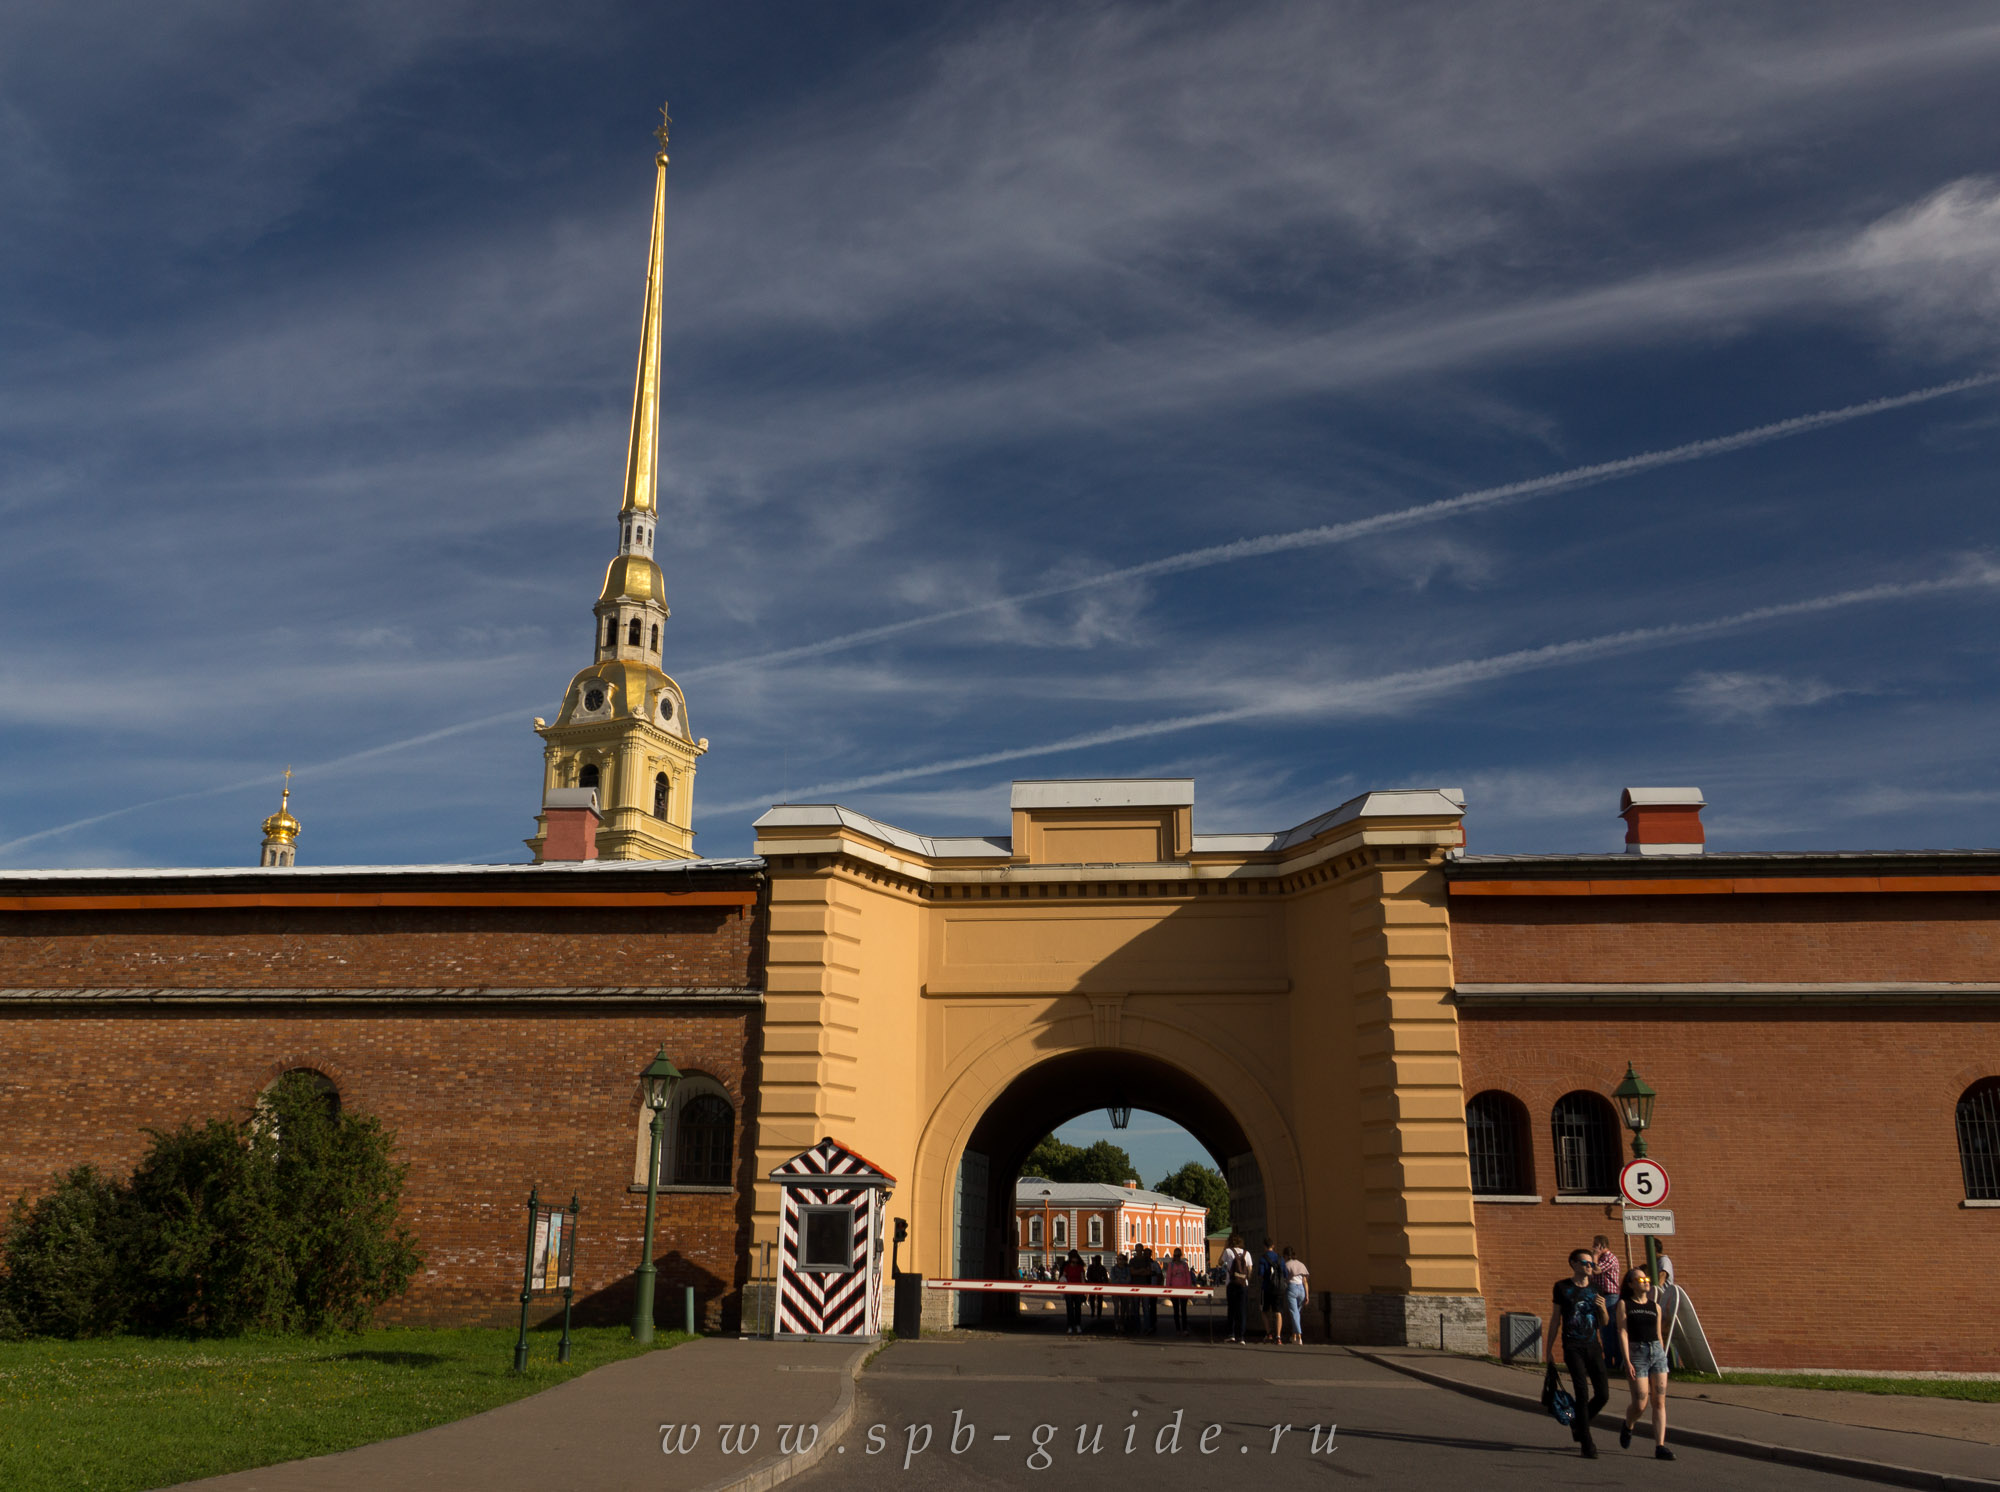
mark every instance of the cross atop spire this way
{"type": "Point", "coordinates": [660, 134]}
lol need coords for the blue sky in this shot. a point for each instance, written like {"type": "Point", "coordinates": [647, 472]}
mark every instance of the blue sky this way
{"type": "Point", "coordinates": [316, 336]}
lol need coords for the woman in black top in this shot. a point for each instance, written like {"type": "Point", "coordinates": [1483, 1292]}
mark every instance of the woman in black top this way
{"type": "Point", "coordinates": [1641, 1338]}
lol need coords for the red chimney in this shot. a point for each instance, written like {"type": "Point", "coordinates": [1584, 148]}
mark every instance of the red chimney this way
{"type": "Point", "coordinates": [1662, 820]}
{"type": "Point", "coordinates": [1130, 1185]}
{"type": "Point", "coordinates": [570, 818]}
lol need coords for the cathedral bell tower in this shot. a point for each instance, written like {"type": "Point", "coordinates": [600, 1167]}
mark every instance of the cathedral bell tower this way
{"type": "Point", "coordinates": [623, 725]}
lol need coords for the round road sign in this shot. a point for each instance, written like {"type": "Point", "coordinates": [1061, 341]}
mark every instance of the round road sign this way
{"type": "Point", "coordinates": [1644, 1183]}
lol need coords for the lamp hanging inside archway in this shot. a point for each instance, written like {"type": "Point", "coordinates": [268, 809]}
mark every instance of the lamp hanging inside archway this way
{"type": "Point", "coordinates": [1121, 1115]}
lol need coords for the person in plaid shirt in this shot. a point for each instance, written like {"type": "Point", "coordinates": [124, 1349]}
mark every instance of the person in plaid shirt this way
{"type": "Point", "coordinates": [1605, 1273]}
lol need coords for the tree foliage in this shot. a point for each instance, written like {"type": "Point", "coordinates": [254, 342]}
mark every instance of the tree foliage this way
{"type": "Point", "coordinates": [286, 1222]}
{"type": "Point", "coordinates": [1056, 1160]}
{"type": "Point", "coordinates": [61, 1260]}
{"type": "Point", "coordinates": [1203, 1185]}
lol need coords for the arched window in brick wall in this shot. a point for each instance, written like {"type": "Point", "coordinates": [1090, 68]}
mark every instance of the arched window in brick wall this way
{"type": "Point", "coordinates": [699, 1145]}
{"type": "Point", "coordinates": [1059, 1232]}
{"type": "Point", "coordinates": [1979, 1140]}
{"type": "Point", "coordinates": [1496, 1141]}
{"type": "Point", "coordinates": [1034, 1232]}
{"type": "Point", "coordinates": [702, 1141]}
{"type": "Point", "coordinates": [1586, 1144]}
{"type": "Point", "coordinates": [1094, 1231]}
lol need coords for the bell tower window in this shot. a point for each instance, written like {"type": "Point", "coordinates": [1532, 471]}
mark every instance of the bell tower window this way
{"type": "Point", "coordinates": [660, 796]}
{"type": "Point", "coordinates": [611, 632]}
{"type": "Point", "coordinates": [656, 637]}
{"type": "Point", "coordinates": [632, 633]}
{"type": "Point", "coordinates": [588, 776]}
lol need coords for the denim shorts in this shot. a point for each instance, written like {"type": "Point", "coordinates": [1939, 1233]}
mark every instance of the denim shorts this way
{"type": "Point", "coordinates": [1649, 1358]}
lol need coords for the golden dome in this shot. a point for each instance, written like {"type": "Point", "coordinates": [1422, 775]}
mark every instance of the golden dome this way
{"type": "Point", "coordinates": [633, 577]}
{"type": "Point", "coordinates": [281, 827]}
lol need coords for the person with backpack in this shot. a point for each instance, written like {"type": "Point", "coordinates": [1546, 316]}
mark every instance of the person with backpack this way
{"type": "Point", "coordinates": [1097, 1274]}
{"type": "Point", "coordinates": [1236, 1272]}
{"type": "Point", "coordinates": [1578, 1319]}
{"type": "Point", "coordinates": [1271, 1291]}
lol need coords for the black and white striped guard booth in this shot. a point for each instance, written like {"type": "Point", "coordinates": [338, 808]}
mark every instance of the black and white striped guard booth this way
{"type": "Point", "coordinates": [832, 1209]}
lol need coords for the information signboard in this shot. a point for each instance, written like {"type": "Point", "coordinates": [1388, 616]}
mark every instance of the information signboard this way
{"type": "Point", "coordinates": [1658, 1221]}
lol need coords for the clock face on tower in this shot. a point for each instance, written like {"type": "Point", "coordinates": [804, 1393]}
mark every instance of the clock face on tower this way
{"type": "Point", "coordinates": [666, 708]}
{"type": "Point", "coordinates": [593, 699]}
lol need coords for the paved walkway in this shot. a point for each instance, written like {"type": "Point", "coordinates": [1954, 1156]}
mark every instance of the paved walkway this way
{"type": "Point", "coordinates": [1938, 1439]}
{"type": "Point", "coordinates": [602, 1430]}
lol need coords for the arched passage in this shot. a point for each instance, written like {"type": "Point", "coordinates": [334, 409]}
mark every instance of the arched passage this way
{"type": "Point", "coordinates": [1058, 1088]}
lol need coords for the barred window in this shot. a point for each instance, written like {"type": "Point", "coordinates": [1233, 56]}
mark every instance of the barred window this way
{"type": "Point", "coordinates": [1587, 1145]}
{"type": "Point", "coordinates": [701, 1148]}
{"type": "Point", "coordinates": [1979, 1140]}
{"type": "Point", "coordinates": [1496, 1130]}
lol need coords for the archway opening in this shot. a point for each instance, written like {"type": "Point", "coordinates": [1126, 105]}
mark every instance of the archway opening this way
{"type": "Point", "coordinates": [992, 1221]}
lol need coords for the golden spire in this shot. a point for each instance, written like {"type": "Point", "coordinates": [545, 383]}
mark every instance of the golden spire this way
{"type": "Point", "coordinates": [642, 452]}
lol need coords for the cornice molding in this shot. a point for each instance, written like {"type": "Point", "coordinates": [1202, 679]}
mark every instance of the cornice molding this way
{"type": "Point", "coordinates": [651, 995]}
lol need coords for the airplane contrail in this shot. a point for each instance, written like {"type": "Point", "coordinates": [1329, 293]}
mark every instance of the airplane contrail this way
{"type": "Point", "coordinates": [1358, 528]}
{"type": "Point", "coordinates": [1359, 696]}
{"type": "Point", "coordinates": [1192, 559]}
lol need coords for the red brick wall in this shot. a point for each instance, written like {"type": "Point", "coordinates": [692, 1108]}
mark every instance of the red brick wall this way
{"type": "Point", "coordinates": [1814, 1161]}
{"type": "Point", "coordinates": [486, 1100]}
{"type": "Point", "coordinates": [1857, 936]}
{"type": "Point", "coordinates": [1813, 1149]}
{"type": "Point", "coordinates": [279, 948]}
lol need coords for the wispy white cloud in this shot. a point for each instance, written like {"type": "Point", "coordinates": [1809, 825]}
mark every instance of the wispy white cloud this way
{"type": "Point", "coordinates": [1311, 700]}
{"type": "Point", "coordinates": [1752, 697]}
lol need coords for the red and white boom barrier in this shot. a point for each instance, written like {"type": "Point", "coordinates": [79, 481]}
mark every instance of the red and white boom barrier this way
{"type": "Point", "coordinates": [1063, 1287]}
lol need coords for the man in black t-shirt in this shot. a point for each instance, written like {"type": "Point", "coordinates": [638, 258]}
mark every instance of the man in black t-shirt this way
{"type": "Point", "coordinates": [1579, 1318]}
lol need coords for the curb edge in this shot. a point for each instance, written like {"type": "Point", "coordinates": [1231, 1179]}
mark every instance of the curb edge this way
{"type": "Point", "coordinates": [835, 1425]}
{"type": "Point", "coordinates": [1854, 1466]}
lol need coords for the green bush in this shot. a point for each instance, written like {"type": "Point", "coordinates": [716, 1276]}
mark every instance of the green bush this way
{"type": "Point", "coordinates": [285, 1223]}
{"type": "Point", "coordinates": [61, 1257]}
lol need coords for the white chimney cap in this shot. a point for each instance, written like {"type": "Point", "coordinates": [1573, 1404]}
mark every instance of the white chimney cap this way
{"type": "Point", "coordinates": [571, 797]}
{"type": "Point", "coordinates": [1648, 797]}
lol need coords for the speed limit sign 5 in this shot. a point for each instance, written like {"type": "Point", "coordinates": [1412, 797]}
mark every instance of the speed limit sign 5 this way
{"type": "Point", "coordinates": [1644, 1183]}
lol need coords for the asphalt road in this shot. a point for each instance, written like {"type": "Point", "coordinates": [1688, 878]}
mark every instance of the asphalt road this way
{"type": "Point", "coordinates": [1012, 1409]}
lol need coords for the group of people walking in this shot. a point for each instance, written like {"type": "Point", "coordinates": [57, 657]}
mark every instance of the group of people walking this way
{"type": "Point", "coordinates": [1604, 1313]}
{"type": "Point", "coordinates": [1136, 1314]}
{"type": "Point", "coordinates": [1279, 1280]}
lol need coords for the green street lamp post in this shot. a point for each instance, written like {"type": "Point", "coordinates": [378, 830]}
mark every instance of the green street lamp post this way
{"type": "Point", "coordinates": [656, 1084]}
{"type": "Point", "coordinates": [1635, 1105]}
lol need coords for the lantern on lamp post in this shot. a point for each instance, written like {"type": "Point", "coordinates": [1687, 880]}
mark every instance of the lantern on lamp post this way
{"type": "Point", "coordinates": [657, 1081]}
{"type": "Point", "coordinates": [1635, 1096]}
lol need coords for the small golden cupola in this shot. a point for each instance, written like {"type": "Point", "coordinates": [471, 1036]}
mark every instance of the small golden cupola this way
{"type": "Point", "coordinates": [623, 726]}
{"type": "Point", "coordinates": [281, 832]}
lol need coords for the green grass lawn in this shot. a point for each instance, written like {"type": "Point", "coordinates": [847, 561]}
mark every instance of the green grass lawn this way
{"type": "Point", "coordinates": [1984, 1390]}
{"type": "Point", "coordinates": [126, 1413]}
